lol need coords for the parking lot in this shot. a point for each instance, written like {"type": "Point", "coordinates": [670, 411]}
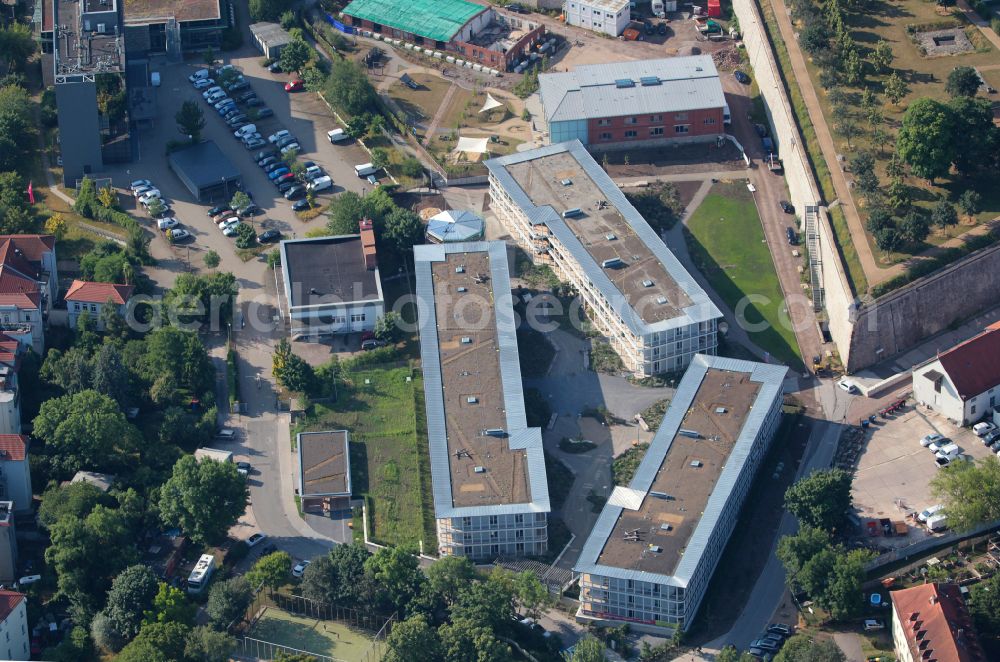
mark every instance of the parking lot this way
{"type": "Point", "coordinates": [894, 470]}
{"type": "Point", "coordinates": [302, 113]}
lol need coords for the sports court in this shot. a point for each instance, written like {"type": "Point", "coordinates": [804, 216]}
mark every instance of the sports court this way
{"type": "Point", "coordinates": [315, 636]}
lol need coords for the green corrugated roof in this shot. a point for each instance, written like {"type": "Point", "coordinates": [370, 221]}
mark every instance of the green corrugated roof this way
{"type": "Point", "coordinates": [432, 19]}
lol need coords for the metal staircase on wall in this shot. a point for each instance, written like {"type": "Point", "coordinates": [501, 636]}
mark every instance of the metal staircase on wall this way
{"type": "Point", "coordinates": [811, 227]}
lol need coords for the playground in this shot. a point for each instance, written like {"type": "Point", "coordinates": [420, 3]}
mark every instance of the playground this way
{"type": "Point", "coordinates": [330, 638]}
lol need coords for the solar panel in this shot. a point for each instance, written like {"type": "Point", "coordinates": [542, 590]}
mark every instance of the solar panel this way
{"type": "Point", "coordinates": [624, 82]}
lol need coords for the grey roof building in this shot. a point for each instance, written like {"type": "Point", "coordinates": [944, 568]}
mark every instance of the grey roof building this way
{"type": "Point", "coordinates": [206, 171]}
{"type": "Point", "coordinates": [269, 38]}
{"type": "Point", "coordinates": [652, 552]}
{"type": "Point", "coordinates": [324, 469]}
{"type": "Point", "coordinates": [487, 466]}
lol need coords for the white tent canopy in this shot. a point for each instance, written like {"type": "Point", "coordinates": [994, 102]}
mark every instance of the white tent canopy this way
{"type": "Point", "coordinates": [455, 225]}
{"type": "Point", "coordinates": [472, 145]}
{"type": "Point", "coordinates": [490, 104]}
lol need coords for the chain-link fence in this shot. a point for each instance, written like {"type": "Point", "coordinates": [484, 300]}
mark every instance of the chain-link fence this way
{"type": "Point", "coordinates": [267, 650]}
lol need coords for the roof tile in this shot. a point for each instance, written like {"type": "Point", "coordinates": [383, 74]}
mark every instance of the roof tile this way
{"type": "Point", "coordinates": [974, 365]}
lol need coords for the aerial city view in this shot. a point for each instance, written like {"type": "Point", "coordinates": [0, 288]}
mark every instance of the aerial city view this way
{"type": "Point", "coordinates": [494, 331]}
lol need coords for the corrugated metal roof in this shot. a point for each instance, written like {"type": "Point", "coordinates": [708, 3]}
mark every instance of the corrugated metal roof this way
{"type": "Point", "coordinates": [590, 91]}
{"type": "Point", "coordinates": [626, 497]}
{"type": "Point", "coordinates": [520, 436]}
{"type": "Point", "coordinates": [701, 309]}
{"type": "Point", "coordinates": [439, 20]}
{"type": "Point", "coordinates": [771, 377]}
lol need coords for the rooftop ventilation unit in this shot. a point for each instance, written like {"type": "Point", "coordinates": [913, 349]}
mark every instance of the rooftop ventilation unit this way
{"type": "Point", "coordinates": [610, 236]}
{"type": "Point", "coordinates": [647, 283]}
{"type": "Point", "coordinates": [661, 300]}
{"type": "Point", "coordinates": [480, 470]}
{"type": "Point", "coordinates": [648, 81]}
{"type": "Point", "coordinates": [656, 549]}
{"type": "Point", "coordinates": [566, 182]}
{"type": "Point", "coordinates": [694, 434]}
{"type": "Point", "coordinates": [612, 263]}
{"type": "Point", "coordinates": [463, 289]}
{"type": "Point", "coordinates": [697, 464]}
{"type": "Point", "coordinates": [720, 410]}
{"type": "Point", "coordinates": [571, 213]}
{"type": "Point", "coordinates": [666, 527]}
{"type": "Point", "coordinates": [472, 399]}
{"type": "Point", "coordinates": [624, 82]}
{"type": "Point", "coordinates": [495, 432]}
{"type": "Point", "coordinates": [466, 340]}
{"type": "Point", "coordinates": [661, 495]}
{"type": "Point", "coordinates": [460, 270]}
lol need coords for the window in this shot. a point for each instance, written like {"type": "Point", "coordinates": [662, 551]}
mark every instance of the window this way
{"type": "Point", "coordinates": [682, 128]}
{"type": "Point", "coordinates": [631, 120]}
{"type": "Point", "coordinates": [76, 305]}
{"type": "Point", "coordinates": [709, 120]}
{"type": "Point", "coordinates": [680, 117]}
{"type": "Point", "coordinates": [604, 122]}
{"type": "Point", "coordinates": [358, 317]}
{"type": "Point", "coordinates": [518, 519]}
{"type": "Point", "coordinates": [656, 131]}
{"type": "Point", "coordinates": [973, 410]}
{"type": "Point", "coordinates": [631, 133]}
{"type": "Point", "coordinates": [466, 521]}
{"type": "Point", "coordinates": [493, 520]}
{"type": "Point", "coordinates": [93, 307]}
{"type": "Point", "coordinates": [606, 136]}
{"type": "Point", "coordinates": [656, 118]}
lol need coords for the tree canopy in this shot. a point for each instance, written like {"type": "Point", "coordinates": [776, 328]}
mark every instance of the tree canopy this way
{"type": "Point", "coordinates": [270, 571]}
{"type": "Point", "coordinates": [970, 492]}
{"type": "Point", "coordinates": [925, 139]}
{"type": "Point", "coordinates": [190, 120]}
{"type": "Point", "coordinates": [962, 82]}
{"type": "Point", "coordinates": [413, 640]}
{"type": "Point", "coordinates": [348, 88]}
{"type": "Point", "coordinates": [821, 499]}
{"type": "Point", "coordinates": [204, 498]}
{"type": "Point", "coordinates": [228, 600]}
{"type": "Point", "coordinates": [801, 648]}
{"type": "Point", "coordinates": [131, 594]}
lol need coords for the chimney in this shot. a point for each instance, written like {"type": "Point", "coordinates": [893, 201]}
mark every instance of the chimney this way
{"type": "Point", "coordinates": [368, 244]}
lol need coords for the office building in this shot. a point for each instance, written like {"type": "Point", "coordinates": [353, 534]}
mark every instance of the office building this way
{"type": "Point", "coordinates": [560, 206]}
{"type": "Point", "coordinates": [652, 552]}
{"type": "Point", "coordinates": [491, 498]}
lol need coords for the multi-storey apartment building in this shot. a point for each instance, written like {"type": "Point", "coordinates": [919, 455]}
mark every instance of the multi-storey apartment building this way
{"type": "Point", "coordinates": [652, 552]}
{"type": "Point", "coordinates": [562, 208]}
{"type": "Point", "coordinates": [487, 466]}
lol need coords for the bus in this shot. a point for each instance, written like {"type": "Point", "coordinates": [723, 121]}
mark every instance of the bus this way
{"type": "Point", "coordinates": [201, 574]}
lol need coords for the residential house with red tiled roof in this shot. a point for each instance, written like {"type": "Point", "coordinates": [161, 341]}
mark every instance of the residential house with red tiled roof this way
{"type": "Point", "coordinates": [8, 546]}
{"type": "Point", "coordinates": [14, 635]}
{"type": "Point", "coordinates": [11, 351]}
{"type": "Point", "coordinates": [91, 298]}
{"type": "Point", "coordinates": [28, 285]}
{"type": "Point", "coordinates": [15, 477]}
{"type": "Point", "coordinates": [963, 383]}
{"type": "Point", "coordinates": [931, 623]}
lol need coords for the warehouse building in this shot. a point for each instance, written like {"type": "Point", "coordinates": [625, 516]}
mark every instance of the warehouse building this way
{"type": "Point", "coordinates": [206, 171]}
{"type": "Point", "coordinates": [651, 554]}
{"type": "Point", "coordinates": [561, 207]}
{"type": "Point", "coordinates": [491, 498]}
{"type": "Point", "coordinates": [474, 32]}
{"type": "Point", "coordinates": [635, 104]}
{"type": "Point", "coordinates": [269, 38]}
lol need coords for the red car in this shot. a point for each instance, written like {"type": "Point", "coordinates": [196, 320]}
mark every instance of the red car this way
{"type": "Point", "coordinates": [294, 85]}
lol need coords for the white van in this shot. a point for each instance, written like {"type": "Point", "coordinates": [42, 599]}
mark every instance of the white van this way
{"type": "Point", "coordinates": [245, 130]}
{"type": "Point", "coordinates": [198, 75]}
{"type": "Point", "coordinates": [930, 512]}
{"type": "Point", "coordinates": [320, 184]}
{"type": "Point", "coordinates": [336, 136]}
{"type": "Point", "coordinates": [948, 450]}
{"type": "Point", "coordinates": [937, 523]}
{"type": "Point", "coordinates": [365, 169]}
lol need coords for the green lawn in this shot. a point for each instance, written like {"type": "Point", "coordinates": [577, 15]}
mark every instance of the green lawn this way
{"type": "Point", "coordinates": [389, 457]}
{"type": "Point", "coordinates": [312, 635]}
{"type": "Point", "coordinates": [726, 241]}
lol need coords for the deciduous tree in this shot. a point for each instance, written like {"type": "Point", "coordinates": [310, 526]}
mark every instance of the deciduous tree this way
{"type": "Point", "coordinates": [204, 644]}
{"type": "Point", "coordinates": [963, 82]}
{"type": "Point", "coordinates": [157, 642]}
{"type": "Point", "coordinates": [944, 214]}
{"type": "Point", "coordinates": [271, 571]}
{"type": "Point", "coordinates": [204, 498]}
{"type": "Point", "coordinates": [413, 640]}
{"type": "Point", "coordinates": [926, 139]}
{"type": "Point", "coordinates": [970, 492]}
{"type": "Point", "coordinates": [821, 499]}
{"type": "Point", "coordinates": [971, 202]}
{"type": "Point", "coordinates": [190, 120]}
{"type": "Point", "coordinates": [895, 88]}
{"type": "Point", "coordinates": [396, 573]}
{"type": "Point", "coordinates": [228, 600]}
{"type": "Point", "coordinates": [590, 649]}
{"type": "Point", "coordinates": [131, 594]}
{"type": "Point", "coordinates": [801, 648]}
{"type": "Point", "coordinates": [295, 55]}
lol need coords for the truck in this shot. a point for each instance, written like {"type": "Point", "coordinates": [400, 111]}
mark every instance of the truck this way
{"type": "Point", "coordinates": [201, 574]}
{"type": "Point", "coordinates": [365, 169]}
{"type": "Point", "coordinates": [336, 136]}
{"type": "Point", "coordinates": [937, 523]}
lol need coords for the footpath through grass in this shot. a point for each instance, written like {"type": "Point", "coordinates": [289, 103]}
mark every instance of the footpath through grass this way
{"type": "Point", "coordinates": [726, 242]}
{"type": "Point", "coordinates": [390, 466]}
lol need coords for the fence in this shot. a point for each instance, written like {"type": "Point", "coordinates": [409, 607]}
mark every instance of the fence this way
{"type": "Point", "coordinates": [268, 650]}
{"type": "Point", "coordinates": [937, 542]}
{"type": "Point", "coordinates": [337, 25]}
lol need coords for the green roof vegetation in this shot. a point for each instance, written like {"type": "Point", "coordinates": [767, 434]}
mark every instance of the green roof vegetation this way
{"type": "Point", "coordinates": [439, 20]}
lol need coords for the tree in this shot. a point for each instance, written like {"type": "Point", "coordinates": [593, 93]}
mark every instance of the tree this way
{"type": "Point", "coordinates": [157, 642]}
{"type": "Point", "coordinates": [975, 138]}
{"type": "Point", "coordinates": [56, 225]}
{"type": "Point", "coordinates": [211, 259]}
{"type": "Point", "coordinates": [131, 594]}
{"type": "Point", "coordinates": [348, 88]}
{"type": "Point", "coordinates": [380, 157]}
{"type": "Point", "coordinates": [240, 201]}
{"type": "Point", "coordinates": [815, 37]}
{"type": "Point", "coordinates": [970, 201]}
{"type": "Point", "coordinates": [795, 551]}
{"type": "Point", "coordinates": [895, 88]}
{"type": "Point", "coordinates": [853, 67]}
{"type": "Point", "coordinates": [450, 576]}
{"type": "Point", "coordinates": [925, 139]}
{"type": "Point", "coordinates": [208, 57]}
{"type": "Point", "coordinates": [17, 128]}
{"type": "Point", "coordinates": [944, 214]}
{"type": "Point", "coordinates": [590, 649]}
{"type": "Point", "coordinates": [731, 654]}
{"type": "Point", "coordinates": [880, 137]}
{"type": "Point", "coordinates": [85, 430]}
{"type": "Point", "coordinates": [881, 56]}
{"type": "Point", "coordinates": [984, 605]}
{"type": "Point", "coordinates": [228, 600]}
{"type": "Point", "coordinates": [879, 219]}
{"type": "Point", "coordinates": [178, 355]}
{"type": "Point", "coordinates": [530, 594]}
{"type": "Point", "coordinates": [16, 215]}
{"type": "Point", "coordinates": [104, 633]}
{"type": "Point", "coordinates": [800, 648]}
{"type": "Point", "coordinates": [75, 500]}
{"type": "Point", "coordinates": [156, 207]}
{"type": "Point", "coordinates": [17, 45]}
{"type": "Point", "coordinates": [413, 640]}
{"type": "Point", "coordinates": [203, 498]}
{"type": "Point", "coordinates": [170, 605]}
{"type": "Point", "coordinates": [396, 573]}
{"type": "Point", "coordinates": [887, 239]}
{"type": "Point", "coordinates": [245, 236]}
{"type": "Point", "coordinates": [403, 230]}
{"type": "Point", "coordinates": [463, 640]}
{"type": "Point", "coordinates": [387, 327]}
{"type": "Point", "coordinates": [821, 499]}
{"type": "Point", "coordinates": [288, 20]}
{"type": "Point", "coordinates": [847, 128]}
{"type": "Point", "coordinates": [843, 595]}
{"type": "Point", "coordinates": [268, 10]}
{"type": "Point", "coordinates": [206, 299]}
{"type": "Point", "coordinates": [914, 227]}
{"type": "Point", "coordinates": [962, 82]}
{"type": "Point", "coordinates": [190, 120]}
{"type": "Point", "coordinates": [75, 646]}
{"type": "Point", "coordinates": [291, 370]}
{"type": "Point", "coordinates": [206, 645]}
{"type": "Point", "coordinates": [270, 571]}
{"type": "Point", "coordinates": [970, 492]}
{"type": "Point", "coordinates": [320, 581]}
{"type": "Point", "coordinates": [294, 55]}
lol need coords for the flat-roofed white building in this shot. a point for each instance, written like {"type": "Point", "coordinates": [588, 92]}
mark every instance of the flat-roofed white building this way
{"type": "Point", "coordinates": [561, 207]}
{"type": "Point", "coordinates": [652, 552]}
{"type": "Point", "coordinates": [609, 17]}
{"type": "Point", "coordinates": [487, 466]}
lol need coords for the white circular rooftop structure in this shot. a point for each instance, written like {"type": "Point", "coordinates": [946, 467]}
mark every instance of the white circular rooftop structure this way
{"type": "Point", "coordinates": [454, 225]}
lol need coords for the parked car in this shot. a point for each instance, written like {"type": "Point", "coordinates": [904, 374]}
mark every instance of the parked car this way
{"type": "Point", "coordinates": [274, 67]}
{"type": "Point", "coordinates": [140, 191]}
{"type": "Point", "coordinates": [301, 205]}
{"type": "Point", "coordinates": [265, 162]}
{"type": "Point", "coordinates": [931, 438]}
{"type": "Point", "coordinates": [299, 568]}
{"type": "Point", "coordinates": [780, 629]}
{"type": "Point", "coordinates": [771, 644]}
{"type": "Point", "coordinates": [872, 624]}
{"type": "Point", "coordinates": [296, 85]}
{"type": "Point", "coordinates": [275, 166]}
{"type": "Point", "coordinates": [983, 429]}
{"type": "Point", "coordinates": [371, 343]}
{"type": "Point", "coordinates": [255, 539]}
{"type": "Point", "coordinates": [215, 89]}
{"type": "Point", "coordinates": [267, 236]}
{"type": "Point", "coordinates": [164, 211]}
{"type": "Point", "coordinates": [312, 172]}
{"type": "Point", "coordinates": [943, 462]}
{"type": "Point", "coordinates": [320, 183]}
{"type": "Point", "coordinates": [243, 468]}
{"type": "Point", "coordinates": [991, 438]}
{"type": "Point", "coordinates": [233, 111]}
{"type": "Point", "coordinates": [148, 196]}
{"type": "Point", "coordinates": [232, 230]}
{"type": "Point", "coordinates": [848, 385]}
{"type": "Point", "coordinates": [255, 143]}
{"type": "Point", "coordinates": [296, 191]}
{"type": "Point", "coordinates": [661, 29]}
{"type": "Point", "coordinates": [221, 209]}
{"type": "Point", "coordinates": [201, 74]}
{"type": "Point", "coordinates": [284, 140]}
{"type": "Point", "coordinates": [178, 235]}
{"type": "Point", "coordinates": [786, 206]}
{"type": "Point", "coordinates": [223, 102]}
{"type": "Point", "coordinates": [290, 147]}
{"type": "Point", "coordinates": [250, 210]}
{"type": "Point", "coordinates": [249, 136]}
{"type": "Point", "coordinates": [233, 82]}
{"type": "Point", "coordinates": [263, 154]}
{"type": "Point", "coordinates": [239, 86]}
{"type": "Point", "coordinates": [253, 102]}
{"type": "Point", "coordinates": [927, 513]}
{"type": "Point", "coordinates": [285, 185]}
{"type": "Point", "coordinates": [278, 135]}
{"type": "Point", "coordinates": [165, 224]}
{"type": "Point", "coordinates": [203, 83]}
{"type": "Point", "coordinates": [281, 179]}
{"type": "Point", "coordinates": [935, 446]}
{"type": "Point", "coordinates": [793, 239]}
{"type": "Point", "coordinates": [741, 77]}
{"type": "Point", "coordinates": [278, 172]}
{"type": "Point", "coordinates": [139, 183]}
{"type": "Point", "coordinates": [264, 112]}
{"type": "Point", "coordinates": [239, 118]}
{"type": "Point", "coordinates": [246, 95]}
{"type": "Point", "coordinates": [228, 222]}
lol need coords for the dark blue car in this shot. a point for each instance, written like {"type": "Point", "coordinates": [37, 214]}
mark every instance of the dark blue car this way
{"type": "Point", "coordinates": [277, 172]}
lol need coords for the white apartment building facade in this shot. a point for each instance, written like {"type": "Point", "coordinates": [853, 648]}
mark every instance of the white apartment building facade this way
{"type": "Point", "coordinates": [963, 383]}
{"type": "Point", "coordinates": [490, 492]}
{"type": "Point", "coordinates": [635, 291]}
{"type": "Point", "coordinates": [609, 17]}
{"type": "Point", "coordinates": [650, 556]}
{"type": "Point", "coordinates": [14, 635]}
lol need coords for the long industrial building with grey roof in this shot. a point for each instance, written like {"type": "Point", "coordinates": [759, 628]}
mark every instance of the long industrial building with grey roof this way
{"type": "Point", "coordinates": [635, 104]}
{"type": "Point", "coordinates": [650, 556]}
{"type": "Point", "coordinates": [490, 493]}
{"type": "Point", "coordinates": [561, 207]}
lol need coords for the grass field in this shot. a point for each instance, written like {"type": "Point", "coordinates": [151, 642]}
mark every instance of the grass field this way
{"type": "Point", "coordinates": [389, 462]}
{"type": "Point", "coordinates": [726, 242]}
{"type": "Point", "coordinates": [308, 634]}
